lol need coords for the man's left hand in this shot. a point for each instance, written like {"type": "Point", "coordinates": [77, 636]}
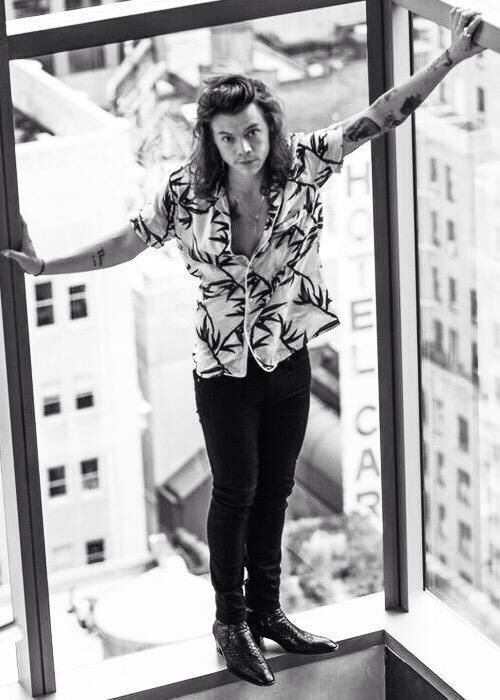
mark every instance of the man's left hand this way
{"type": "Point", "coordinates": [464, 24]}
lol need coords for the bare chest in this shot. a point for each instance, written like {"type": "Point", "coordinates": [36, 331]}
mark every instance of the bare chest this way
{"type": "Point", "coordinates": [246, 233]}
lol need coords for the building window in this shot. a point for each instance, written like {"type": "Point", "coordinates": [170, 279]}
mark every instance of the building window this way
{"type": "Point", "coordinates": [474, 363]}
{"type": "Point", "coordinates": [89, 472]}
{"type": "Point", "coordinates": [464, 539]}
{"type": "Point", "coordinates": [480, 100]}
{"type": "Point", "coordinates": [452, 347]}
{"type": "Point", "coordinates": [425, 458]}
{"type": "Point", "coordinates": [451, 237]}
{"type": "Point", "coordinates": [473, 306]}
{"type": "Point", "coordinates": [463, 433]}
{"type": "Point", "coordinates": [85, 400]}
{"type": "Point", "coordinates": [423, 406]}
{"type": "Point", "coordinates": [95, 551]}
{"type": "Point", "coordinates": [450, 227]}
{"type": "Point", "coordinates": [438, 335]}
{"type": "Point", "coordinates": [452, 293]}
{"type": "Point", "coordinates": [435, 284]}
{"type": "Point", "coordinates": [438, 416]}
{"type": "Point", "coordinates": [57, 481]}
{"type": "Point", "coordinates": [463, 486]}
{"type": "Point", "coordinates": [434, 227]}
{"type": "Point", "coordinates": [44, 304]}
{"type": "Point", "coordinates": [441, 520]}
{"type": "Point", "coordinates": [440, 468]}
{"type": "Point", "coordinates": [51, 405]}
{"type": "Point", "coordinates": [449, 184]}
{"type": "Point", "coordinates": [77, 301]}
{"type": "Point", "coordinates": [433, 170]}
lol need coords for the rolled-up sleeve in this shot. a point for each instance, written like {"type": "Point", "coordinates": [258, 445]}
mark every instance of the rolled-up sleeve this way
{"type": "Point", "coordinates": [319, 154]}
{"type": "Point", "coordinates": [154, 223]}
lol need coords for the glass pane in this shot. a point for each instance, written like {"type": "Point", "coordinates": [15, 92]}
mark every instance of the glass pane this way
{"type": "Point", "coordinates": [458, 181]}
{"type": "Point", "coordinates": [139, 518]}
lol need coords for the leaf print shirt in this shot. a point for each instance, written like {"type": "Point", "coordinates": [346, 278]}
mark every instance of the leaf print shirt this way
{"type": "Point", "coordinates": [274, 303]}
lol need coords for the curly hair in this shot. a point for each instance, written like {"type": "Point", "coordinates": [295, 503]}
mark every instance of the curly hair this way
{"type": "Point", "coordinates": [231, 93]}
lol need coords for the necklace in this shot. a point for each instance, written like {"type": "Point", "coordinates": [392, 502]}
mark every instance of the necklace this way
{"type": "Point", "coordinates": [255, 217]}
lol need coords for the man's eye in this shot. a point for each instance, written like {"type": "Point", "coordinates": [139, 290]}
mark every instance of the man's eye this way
{"type": "Point", "coordinates": [226, 137]}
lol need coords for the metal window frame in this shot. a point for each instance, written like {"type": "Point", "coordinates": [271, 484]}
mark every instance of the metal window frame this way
{"type": "Point", "coordinates": [389, 26]}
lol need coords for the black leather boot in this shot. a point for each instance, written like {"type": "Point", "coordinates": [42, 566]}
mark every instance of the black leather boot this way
{"type": "Point", "coordinates": [276, 626]}
{"type": "Point", "coordinates": [243, 657]}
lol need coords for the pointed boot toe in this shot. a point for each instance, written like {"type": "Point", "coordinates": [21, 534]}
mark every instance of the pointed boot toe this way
{"type": "Point", "coordinates": [276, 626]}
{"type": "Point", "coordinates": [244, 659]}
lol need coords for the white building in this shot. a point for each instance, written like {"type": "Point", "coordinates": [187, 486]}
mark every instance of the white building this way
{"type": "Point", "coordinates": [76, 187]}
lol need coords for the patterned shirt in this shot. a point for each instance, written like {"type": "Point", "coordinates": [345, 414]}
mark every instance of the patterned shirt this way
{"type": "Point", "coordinates": [274, 303]}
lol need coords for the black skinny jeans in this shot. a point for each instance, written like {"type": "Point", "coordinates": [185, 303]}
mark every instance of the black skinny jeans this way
{"type": "Point", "coordinates": [254, 428]}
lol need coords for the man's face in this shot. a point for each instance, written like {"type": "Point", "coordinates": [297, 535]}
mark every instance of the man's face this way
{"type": "Point", "coordinates": [242, 139]}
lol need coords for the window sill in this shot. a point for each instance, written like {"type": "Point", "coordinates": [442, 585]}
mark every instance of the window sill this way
{"type": "Point", "coordinates": [441, 646]}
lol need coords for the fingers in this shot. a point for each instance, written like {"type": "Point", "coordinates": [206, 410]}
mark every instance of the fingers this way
{"type": "Point", "coordinates": [15, 255]}
{"type": "Point", "coordinates": [461, 17]}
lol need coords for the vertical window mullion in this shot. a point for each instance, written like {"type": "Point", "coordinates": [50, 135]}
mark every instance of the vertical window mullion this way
{"type": "Point", "coordinates": [18, 444]}
{"type": "Point", "coordinates": [404, 274]}
{"type": "Point", "coordinates": [380, 76]}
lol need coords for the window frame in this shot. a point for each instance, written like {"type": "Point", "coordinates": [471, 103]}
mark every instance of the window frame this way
{"type": "Point", "coordinates": [394, 191]}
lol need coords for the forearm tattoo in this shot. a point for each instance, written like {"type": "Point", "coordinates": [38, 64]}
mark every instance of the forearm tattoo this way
{"type": "Point", "coordinates": [395, 105]}
{"type": "Point", "coordinates": [98, 259]}
{"type": "Point", "coordinates": [363, 128]}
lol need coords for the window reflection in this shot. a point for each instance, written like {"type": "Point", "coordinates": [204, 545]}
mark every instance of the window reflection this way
{"type": "Point", "coordinates": [458, 180]}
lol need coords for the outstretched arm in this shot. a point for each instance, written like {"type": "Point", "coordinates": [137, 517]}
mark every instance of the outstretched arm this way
{"type": "Point", "coordinates": [395, 105]}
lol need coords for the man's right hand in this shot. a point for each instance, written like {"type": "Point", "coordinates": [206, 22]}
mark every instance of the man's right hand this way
{"type": "Point", "coordinates": [26, 257]}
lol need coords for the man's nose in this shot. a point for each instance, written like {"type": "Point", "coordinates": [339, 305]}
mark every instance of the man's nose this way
{"type": "Point", "coordinates": [245, 146]}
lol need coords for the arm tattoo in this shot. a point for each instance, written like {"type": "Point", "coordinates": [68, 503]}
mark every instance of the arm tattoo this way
{"type": "Point", "coordinates": [396, 104]}
{"type": "Point", "coordinates": [363, 128]}
{"type": "Point", "coordinates": [98, 260]}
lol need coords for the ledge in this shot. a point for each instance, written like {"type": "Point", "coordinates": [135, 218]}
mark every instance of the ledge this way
{"type": "Point", "coordinates": [435, 641]}
{"type": "Point", "coordinates": [195, 665]}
